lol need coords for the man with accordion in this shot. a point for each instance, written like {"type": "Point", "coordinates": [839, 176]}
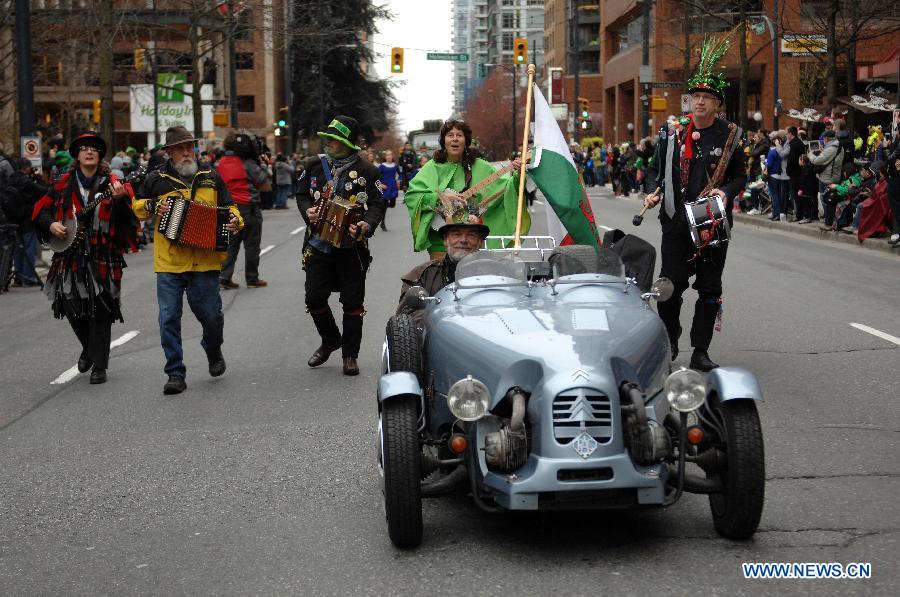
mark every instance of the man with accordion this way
{"type": "Point", "coordinates": [339, 195]}
{"type": "Point", "coordinates": [193, 215]}
{"type": "Point", "coordinates": [701, 170]}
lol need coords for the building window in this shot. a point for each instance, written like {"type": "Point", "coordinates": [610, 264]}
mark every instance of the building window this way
{"type": "Point", "coordinates": [246, 103]}
{"type": "Point", "coordinates": [243, 60]}
{"type": "Point", "coordinates": [507, 42]}
{"type": "Point", "coordinates": [627, 36]}
{"type": "Point", "coordinates": [510, 20]}
{"type": "Point", "coordinates": [243, 30]}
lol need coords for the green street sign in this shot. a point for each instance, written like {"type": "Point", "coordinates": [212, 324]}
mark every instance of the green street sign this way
{"type": "Point", "coordinates": [170, 87]}
{"type": "Point", "coordinates": [444, 56]}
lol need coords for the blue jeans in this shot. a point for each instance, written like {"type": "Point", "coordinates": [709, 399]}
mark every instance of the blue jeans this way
{"type": "Point", "coordinates": [282, 192]}
{"type": "Point", "coordinates": [23, 257]}
{"type": "Point", "coordinates": [202, 289]}
{"type": "Point", "coordinates": [777, 191]}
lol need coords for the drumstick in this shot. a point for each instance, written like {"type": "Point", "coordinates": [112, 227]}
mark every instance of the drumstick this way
{"type": "Point", "coordinates": [638, 219]}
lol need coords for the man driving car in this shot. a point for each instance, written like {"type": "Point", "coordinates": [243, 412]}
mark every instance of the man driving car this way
{"type": "Point", "coordinates": [460, 239]}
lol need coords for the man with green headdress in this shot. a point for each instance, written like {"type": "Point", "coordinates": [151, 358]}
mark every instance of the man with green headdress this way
{"type": "Point", "coordinates": [698, 155]}
{"type": "Point", "coordinates": [455, 168]}
{"type": "Point", "coordinates": [340, 172]}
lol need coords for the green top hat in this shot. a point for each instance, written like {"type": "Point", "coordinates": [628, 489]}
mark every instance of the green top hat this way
{"type": "Point", "coordinates": [707, 75]}
{"type": "Point", "coordinates": [344, 129]}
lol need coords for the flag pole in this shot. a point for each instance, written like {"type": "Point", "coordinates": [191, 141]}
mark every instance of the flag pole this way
{"type": "Point", "coordinates": [524, 156]}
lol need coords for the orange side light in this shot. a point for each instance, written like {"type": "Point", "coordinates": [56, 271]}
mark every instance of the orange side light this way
{"type": "Point", "coordinates": [695, 435]}
{"type": "Point", "coordinates": [458, 443]}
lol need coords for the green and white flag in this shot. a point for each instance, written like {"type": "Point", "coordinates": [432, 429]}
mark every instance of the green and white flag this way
{"type": "Point", "coordinates": [571, 220]}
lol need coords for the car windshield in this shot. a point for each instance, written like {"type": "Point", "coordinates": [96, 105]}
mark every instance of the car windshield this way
{"type": "Point", "coordinates": [488, 263]}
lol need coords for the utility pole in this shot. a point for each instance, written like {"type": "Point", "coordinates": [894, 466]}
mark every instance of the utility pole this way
{"type": "Point", "coordinates": [232, 70]}
{"type": "Point", "coordinates": [646, 73]}
{"type": "Point", "coordinates": [23, 62]}
{"type": "Point", "coordinates": [154, 72]}
{"type": "Point", "coordinates": [514, 111]}
{"type": "Point", "coordinates": [288, 84]}
{"type": "Point", "coordinates": [107, 107]}
{"type": "Point", "coordinates": [775, 43]}
{"type": "Point", "coordinates": [576, 64]}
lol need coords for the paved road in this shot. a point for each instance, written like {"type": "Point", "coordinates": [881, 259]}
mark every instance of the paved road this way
{"type": "Point", "coordinates": [262, 481]}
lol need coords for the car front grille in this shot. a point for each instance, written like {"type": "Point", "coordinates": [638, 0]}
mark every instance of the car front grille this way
{"type": "Point", "coordinates": [582, 406]}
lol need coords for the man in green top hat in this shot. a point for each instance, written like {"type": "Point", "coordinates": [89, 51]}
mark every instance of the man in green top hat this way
{"type": "Point", "coordinates": [699, 155]}
{"type": "Point", "coordinates": [339, 172]}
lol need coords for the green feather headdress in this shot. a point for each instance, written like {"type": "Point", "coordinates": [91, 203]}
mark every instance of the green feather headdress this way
{"type": "Point", "coordinates": [708, 76]}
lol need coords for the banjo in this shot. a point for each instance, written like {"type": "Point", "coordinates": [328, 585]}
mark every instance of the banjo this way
{"type": "Point", "coordinates": [454, 201]}
{"type": "Point", "coordinates": [75, 229]}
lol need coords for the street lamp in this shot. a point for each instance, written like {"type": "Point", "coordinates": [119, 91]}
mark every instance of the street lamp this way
{"type": "Point", "coordinates": [773, 32]}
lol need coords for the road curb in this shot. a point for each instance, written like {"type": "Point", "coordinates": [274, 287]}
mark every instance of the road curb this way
{"type": "Point", "coordinates": [813, 231]}
{"type": "Point", "coordinates": [810, 230]}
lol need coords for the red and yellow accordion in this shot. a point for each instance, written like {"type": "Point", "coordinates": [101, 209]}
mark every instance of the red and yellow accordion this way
{"type": "Point", "coordinates": [195, 224]}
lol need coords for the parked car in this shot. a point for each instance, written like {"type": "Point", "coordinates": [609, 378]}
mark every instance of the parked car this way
{"type": "Point", "coordinates": [541, 379]}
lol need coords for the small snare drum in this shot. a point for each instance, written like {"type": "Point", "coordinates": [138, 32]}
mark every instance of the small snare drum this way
{"type": "Point", "coordinates": [708, 221]}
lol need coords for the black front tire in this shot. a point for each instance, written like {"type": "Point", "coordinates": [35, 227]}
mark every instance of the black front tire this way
{"type": "Point", "coordinates": [404, 347]}
{"type": "Point", "coordinates": [737, 511]}
{"type": "Point", "coordinates": [401, 463]}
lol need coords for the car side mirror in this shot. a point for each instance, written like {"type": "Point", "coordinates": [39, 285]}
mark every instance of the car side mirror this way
{"type": "Point", "coordinates": [661, 290]}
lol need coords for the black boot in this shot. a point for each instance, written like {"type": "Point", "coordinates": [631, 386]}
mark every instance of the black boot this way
{"type": "Point", "coordinates": [701, 362]}
{"type": "Point", "coordinates": [98, 375]}
{"type": "Point", "coordinates": [216, 362]}
{"type": "Point", "coordinates": [352, 336]}
{"type": "Point", "coordinates": [330, 334]}
{"type": "Point", "coordinates": [84, 362]}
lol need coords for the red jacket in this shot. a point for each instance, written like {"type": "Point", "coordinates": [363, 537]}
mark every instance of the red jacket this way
{"type": "Point", "coordinates": [231, 169]}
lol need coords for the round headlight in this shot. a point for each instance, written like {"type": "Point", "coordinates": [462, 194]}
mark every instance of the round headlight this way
{"type": "Point", "coordinates": [468, 399]}
{"type": "Point", "coordinates": [685, 390]}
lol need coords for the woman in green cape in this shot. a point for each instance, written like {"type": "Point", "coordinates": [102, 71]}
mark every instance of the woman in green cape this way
{"type": "Point", "coordinates": [454, 169]}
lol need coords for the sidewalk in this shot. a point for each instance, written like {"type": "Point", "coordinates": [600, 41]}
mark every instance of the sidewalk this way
{"type": "Point", "coordinates": [763, 221]}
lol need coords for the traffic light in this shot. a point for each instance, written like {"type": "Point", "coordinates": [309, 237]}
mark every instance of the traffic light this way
{"type": "Point", "coordinates": [139, 58]}
{"type": "Point", "coordinates": [520, 50]}
{"type": "Point", "coordinates": [584, 107]}
{"type": "Point", "coordinates": [96, 114]}
{"type": "Point", "coordinates": [283, 114]}
{"type": "Point", "coordinates": [396, 60]}
{"type": "Point", "coordinates": [586, 124]}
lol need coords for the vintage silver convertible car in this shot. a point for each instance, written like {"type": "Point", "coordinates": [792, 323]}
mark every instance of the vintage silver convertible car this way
{"type": "Point", "coordinates": [541, 379]}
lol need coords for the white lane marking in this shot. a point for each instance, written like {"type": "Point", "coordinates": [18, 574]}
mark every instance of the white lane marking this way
{"type": "Point", "coordinates": [298, 230]}
{"type": "Point", "coordinates": [878, 333]}
{"type": "Point", "coordinates": [70, 374]}
{"type": "Point", "coordinates": [604, 227]}
{"type": "Point", "coordinates": [125, 338]}
{"type": "Point", "coordinates": [266, 250]}
{"type": "Point", "coordinates": [538, 201]}
{"type": "Point", "coordinates": [67, 375]}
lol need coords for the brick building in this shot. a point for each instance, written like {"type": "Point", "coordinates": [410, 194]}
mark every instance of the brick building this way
{"type": "Point", "coordinates": [67, 71]}
{"type": "Point", "coordinates": [799, 75]}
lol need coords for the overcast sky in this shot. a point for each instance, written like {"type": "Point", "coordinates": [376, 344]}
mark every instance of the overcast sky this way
{"type": "Point", "coordinates": [418, 26]}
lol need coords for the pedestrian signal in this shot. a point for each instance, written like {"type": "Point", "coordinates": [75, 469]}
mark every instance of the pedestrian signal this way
{"type": "Point", "coordinates": [520, 50]}
{"type": "Point", "coordinates": [96, 114]}
{"type": "Point", "coordinates": [584, 107]}
{"type": "Point", "coordinates": [396, 60]}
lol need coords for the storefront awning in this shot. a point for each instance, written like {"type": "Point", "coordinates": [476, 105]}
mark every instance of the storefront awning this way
{"type": "Point", "coordinates": [886, 70]}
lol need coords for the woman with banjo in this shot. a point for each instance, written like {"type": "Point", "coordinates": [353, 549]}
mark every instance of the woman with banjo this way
{"type": "Point", "coordinates": [456, 179]}
{"type": "Point", "coordinates": [86, 217]}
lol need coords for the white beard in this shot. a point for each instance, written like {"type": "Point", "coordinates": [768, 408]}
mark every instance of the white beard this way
{"type": "Point", "coordinates": [185, 169]}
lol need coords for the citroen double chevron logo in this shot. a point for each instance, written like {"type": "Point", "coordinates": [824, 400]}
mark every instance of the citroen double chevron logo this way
{"type": "Point", "coordinates": [580, 373]}
{"type": "Point", "coordinates": [581, 410]}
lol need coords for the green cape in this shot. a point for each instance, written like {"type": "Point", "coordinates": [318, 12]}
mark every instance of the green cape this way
{"type": "Point", "coordinates": [422, 197]}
